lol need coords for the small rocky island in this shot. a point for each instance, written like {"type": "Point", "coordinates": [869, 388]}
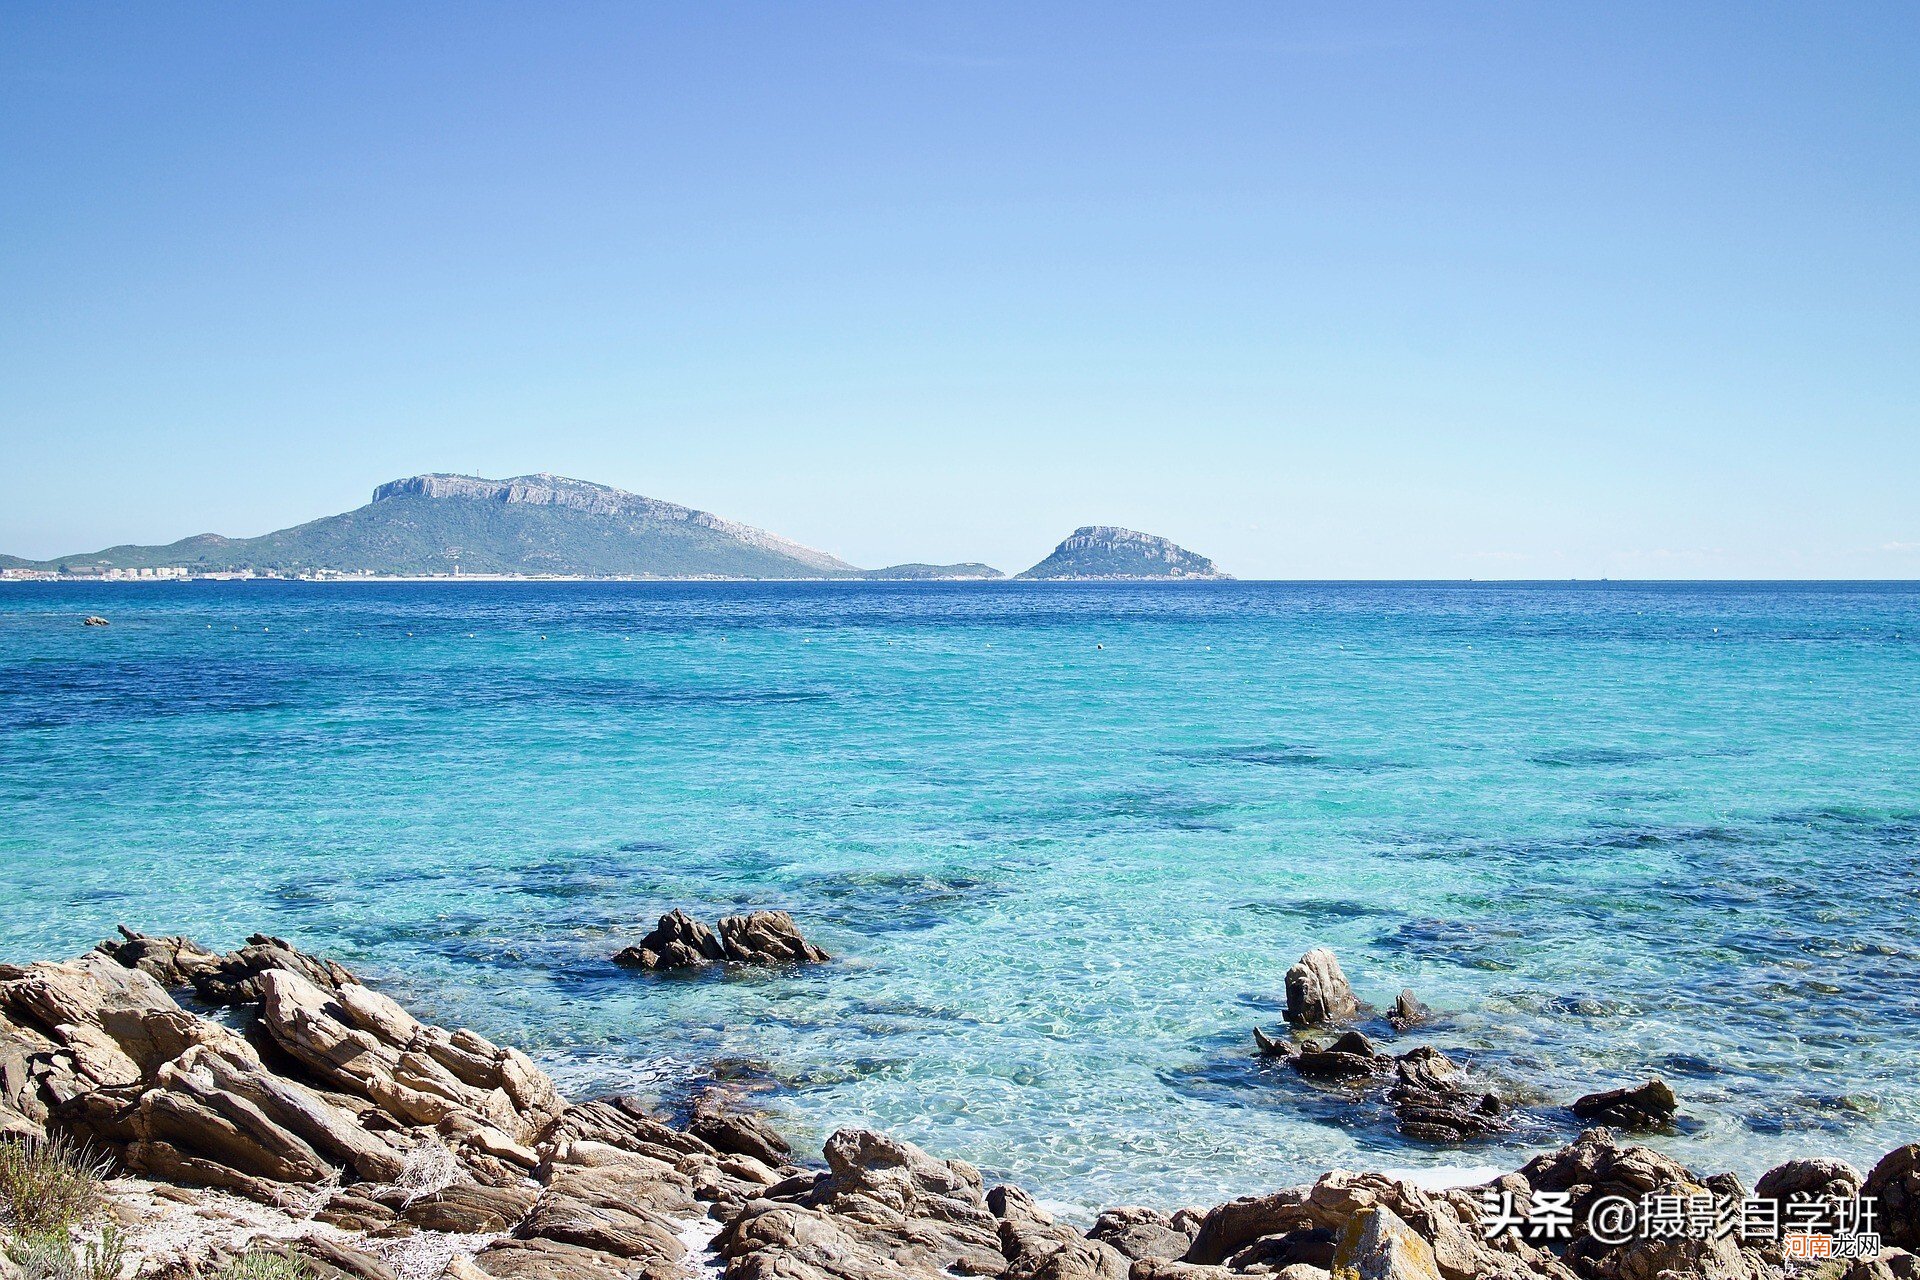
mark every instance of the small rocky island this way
{"type": "Point", "coordinates": [1102, 551]}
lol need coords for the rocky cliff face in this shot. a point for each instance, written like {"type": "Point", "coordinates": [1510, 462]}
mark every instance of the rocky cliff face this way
{"type": "Point", "coordinates": [1107, 551]}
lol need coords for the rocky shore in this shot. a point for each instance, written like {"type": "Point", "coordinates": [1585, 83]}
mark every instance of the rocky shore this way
{"type": "Point", "coordinates": [289, 1109]}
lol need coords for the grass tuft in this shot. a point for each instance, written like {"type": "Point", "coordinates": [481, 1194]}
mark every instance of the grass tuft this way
{"type": "Point", "coordinates": [56, 1255]}
{"type": "Point", "coordinates": [266, 1264]}
{"type": "Point", "coordinates": [48, 1185]}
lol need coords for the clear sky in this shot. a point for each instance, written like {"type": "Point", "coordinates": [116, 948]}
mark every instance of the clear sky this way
{"type": "Point", "coordinates": [1422, 290]}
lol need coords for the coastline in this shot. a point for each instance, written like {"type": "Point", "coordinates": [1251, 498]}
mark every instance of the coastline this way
{"type": "Point", "coordinates": [318, 1116]}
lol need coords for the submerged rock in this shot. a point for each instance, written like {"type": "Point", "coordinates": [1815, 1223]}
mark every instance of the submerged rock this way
{"type": "Point", "coordinates": [681, 942]}
{"type": "Point", "coordinates": [1433, 1101]}
{"type": "Point", "coordinates": [1317, 991]}
{"type": "Point", "coordinates": [1431, 1097]}
{"type": "Point", "coordinates": [1351, 1056]}
{"type": "Point", "coordinates": [94, 620]}
{"type": "Point", "coordinates": [1639, 1107]}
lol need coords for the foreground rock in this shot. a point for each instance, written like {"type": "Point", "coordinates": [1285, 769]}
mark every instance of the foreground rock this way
{"type": "Point", "coordinates": [378, 1147]}
{"type": "Point", "coordinates": [759, 938]}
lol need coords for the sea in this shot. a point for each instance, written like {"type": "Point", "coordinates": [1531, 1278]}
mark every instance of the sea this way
{"type": "Point", "coordinates": [1064, 840]}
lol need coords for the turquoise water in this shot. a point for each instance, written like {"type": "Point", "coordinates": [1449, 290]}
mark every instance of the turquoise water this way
{"type": "Point", "coordinates": [1609, 830]}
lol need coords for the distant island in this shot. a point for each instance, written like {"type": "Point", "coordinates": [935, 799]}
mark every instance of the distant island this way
{"type": "Point", "coordinates": [1107, 551]}
{"type": "Point", "coordinates": [442, 525]}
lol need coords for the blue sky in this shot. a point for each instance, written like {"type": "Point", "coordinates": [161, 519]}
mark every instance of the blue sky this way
{"type": "Point", "coordinates": [1482, 290]}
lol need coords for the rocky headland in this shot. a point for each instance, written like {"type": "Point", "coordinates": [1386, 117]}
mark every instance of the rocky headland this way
{"type": "Point", "coordinates": [265, 1104]}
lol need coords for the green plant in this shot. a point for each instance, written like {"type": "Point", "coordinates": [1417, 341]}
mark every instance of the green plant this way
{"type": "Point", "coordinates": [50, 1184]}
{"type": "Point", "coordinates": [57, 1255]}
{"type": "Point", "coordinates": [266, 1264]}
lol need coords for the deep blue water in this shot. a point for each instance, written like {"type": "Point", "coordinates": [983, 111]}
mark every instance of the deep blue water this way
{"type": "Point", "coordinates": [1610, 830]}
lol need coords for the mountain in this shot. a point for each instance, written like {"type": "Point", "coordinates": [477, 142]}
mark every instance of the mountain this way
{"type": "Point", "coordinates": [932, 572]}
{"type": "Point", "coordinates": [1104, 551]}
{"type": "Point", "coordinates": [528, 524]}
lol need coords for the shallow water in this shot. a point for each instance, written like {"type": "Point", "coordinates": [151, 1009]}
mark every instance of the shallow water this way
{"type": "Point", "coordinates": [1609, 830]}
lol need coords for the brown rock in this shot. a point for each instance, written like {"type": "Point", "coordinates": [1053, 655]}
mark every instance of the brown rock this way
{"type": "Point", "coordinates": [540, 1259]}
{"type": "Point", "coordinates": [1038, 1248]}
{"type": "Point", "coordinates": [1824, 1180]}
{"type": "Point", "coordinates": [1433, 1101]}
{"type": "Point", "coordinates": [170, 961]}
{"type": "Point", "coordinates": [330, 1259]}
{"type": "Point", "coordinates": [1894, 1183]}
{"type": "Point", "coordinates": [623, 1231]}
{"type": "Point", "coordinates": [767, 937]}
{"type": "Point", "coordinates": [1377, 1245]}
{"type": "Point", "coordinates": [471, 1209]}
{"type": "Point", "coordinates": [677, 942]}
{"type": "Point", "coordinates": [1407, 1013]}
{"type": "Point", "coordinates": [1141, 1233]}
{"type": "Point", "coordinates": [883, 1207]}
{"type": "Point", "coordinates": [1230, 1227]}
{"type": "Point", "coordinates": [740, 1133]}
{"type": "Point", "coordinates": [235, 978]}
{"type": "Point", "coordinates": [1351, 1056]}
{"type": "Point", "coordinates": [1639, 1107]}
{"type": "Point", "coordinates": [1317, 991]}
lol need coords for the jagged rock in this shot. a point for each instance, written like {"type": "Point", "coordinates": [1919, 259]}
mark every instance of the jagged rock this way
{"type": "Point", "coordinates": [360, 1042]}
{"type": "Point", "coordinates": [1817, 1179]}
{"type": "Point", "coordinates": [170, 961]}
{"type": "Point", "coordinates": [1272, 1048]}
{"type": "Point", "coordinates": [1317, 991]}
{"type": "Point", "coordinates": [94, 620]}
{"type": "Point", "coordinates": [235, 978]}
{"type": "Point", "coordinates": [1888, 1264]}
{"type": "Point", "coordinates": [1307, 1246]}
{"type": "Point", "coordinates": [1433, 1102]}
{"type": "Point", "coordinates": [681, 942]}
{"type": "Point", "coordinates": [883, 1207]}
{"type": "Point", "coordinates": [1038, 1248]}
{"type": "Point", "coordinates": [1894, 1183]}
{"type": "Point", "coordinates": [1164, 1269]}
{"type": "Point", "coordinates": [1639, 1107]}
{"type": "Point", "coordinates": [1230, 1227]}
{"type": "Point", "coordinates": [1348, 1057]}
{"type": "Point", "coordinates": [351, 1211]}
{"type": "Point", "coordinates": [1407, 1013]}
{"type": "Point", "coordinates": [740, 1133]}
{"type": "Point", "coordinates": [1377, 1245]}
{"type": "Point", "coordinates": [677, 942]}
{"type": "Point", "coordinates": [767, 937]}
{"type": "Point", "coordinates": [1596, 1166]}
{"type": "Point", "coordinates": [1142, 1233]}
